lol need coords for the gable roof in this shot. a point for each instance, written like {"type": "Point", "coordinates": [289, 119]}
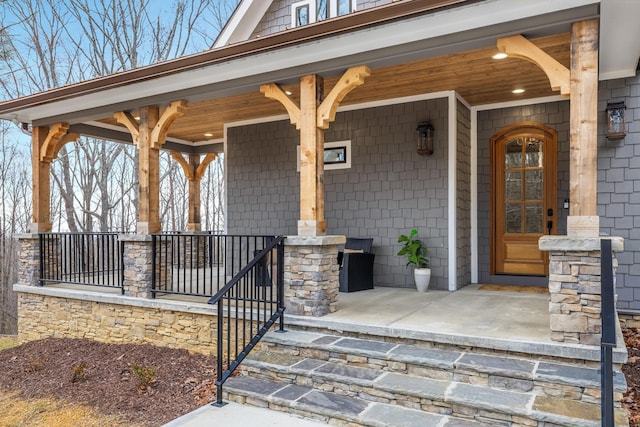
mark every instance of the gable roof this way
{"type": "Point", "coordinates": [242, 22]}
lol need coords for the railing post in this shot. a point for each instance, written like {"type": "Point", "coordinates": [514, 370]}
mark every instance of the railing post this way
{"type": "Point", "coordinates": [608, 341]}
{"type": "Point", "coordinates": [219, 346]}
{"type": "Point", "coordinates": [280, 284]}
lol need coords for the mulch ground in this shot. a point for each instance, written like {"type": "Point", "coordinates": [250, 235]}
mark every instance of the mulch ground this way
{"type": "Point", "coordinates": [103, 376]}
{"type": "Point", "coordinates": [141, 383]}
{"type": "Point", "coordinates": [632, 374]}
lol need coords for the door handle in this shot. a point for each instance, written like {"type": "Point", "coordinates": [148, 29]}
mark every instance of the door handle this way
{"type": "Point", "coordinates": [549, 226]}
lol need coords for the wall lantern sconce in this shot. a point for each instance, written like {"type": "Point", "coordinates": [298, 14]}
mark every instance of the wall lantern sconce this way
{"type": "Point", "coordinates": [615, 120]}
{"type": "Point", "coordinates": [424, 139]}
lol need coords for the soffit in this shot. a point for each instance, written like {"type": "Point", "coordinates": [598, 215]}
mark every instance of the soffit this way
{"type": "Point", "coordinates": [477, 77]}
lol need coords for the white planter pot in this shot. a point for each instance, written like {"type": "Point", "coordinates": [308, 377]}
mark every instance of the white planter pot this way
{"type": "Point", "coordinates": [422, 277]}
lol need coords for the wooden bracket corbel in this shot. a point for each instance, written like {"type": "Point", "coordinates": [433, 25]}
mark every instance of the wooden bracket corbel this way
{"type": "Point", "coordinates": [55, 140]}
{"type": "Point", "coordinates": [174, 111]}
{"type": "Point", "coordinates": [519, 47]}
{"type": "Point", "coordinates": [126, 118]}
{"type": "Point", "coordinates": [202, 167]}
{"type": "Point", "coordinates": [186, 167]}
{"type": "Point", "coordinates": [351, 79]}
{"type": "Point", "coordinates": [273, 91]}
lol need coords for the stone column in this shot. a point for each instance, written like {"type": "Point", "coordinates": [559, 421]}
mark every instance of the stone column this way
{"type": "Point", "coordinates": [138, 266]}
{"type": "Point", "coordinates": [29, 260]}
{"type": "Point", "coordinates": [575, 287]}
{"type": "Point", "coordinates": [311, 274]}
{"type": "Point", "coordinates": [194, 250]}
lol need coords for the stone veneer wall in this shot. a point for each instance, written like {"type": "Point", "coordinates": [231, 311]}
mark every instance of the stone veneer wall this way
{"type": "Point", "coordinates": [388, 190]}
{"type": "Point", "coordinates": [555, 115]}
{"type": "Point", "coordinates": [41, 316]}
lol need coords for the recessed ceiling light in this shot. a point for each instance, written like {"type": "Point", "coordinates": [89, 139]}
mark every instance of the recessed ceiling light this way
{"type": "Point", "coordinates": [288, 92]}
{"type": "Point", "coordinates": [517, 91]}
{"type": "Point", "coordinates": [136, 117]}
{"type": "Point", "coordinates": [500, 55]}
{"type": "Point", "coordinates": [208, 134]}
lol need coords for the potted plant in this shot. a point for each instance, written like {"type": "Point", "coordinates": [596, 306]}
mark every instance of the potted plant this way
{"type": "Point", "coordinates": [416, 253]}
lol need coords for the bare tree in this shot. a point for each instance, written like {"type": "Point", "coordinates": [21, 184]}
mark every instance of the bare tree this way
{"type": "Point", "coordinates": [50, 43]}
{"type": "Point", "coordinates": [15, 197]}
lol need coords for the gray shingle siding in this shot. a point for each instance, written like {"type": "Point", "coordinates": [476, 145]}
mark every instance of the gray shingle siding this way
{"type": "Point", "coordinates": [389, 189]}
{"type": "Point", "coordinates": [463, 195]}
{"type": "Point", "coordinates": [619, 186]}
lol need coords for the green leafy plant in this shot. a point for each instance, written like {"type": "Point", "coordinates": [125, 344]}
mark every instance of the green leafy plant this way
{"type": "Point", "coordinates": [413, 249]}
{"type": "Point", "coordinates": [146, 376]}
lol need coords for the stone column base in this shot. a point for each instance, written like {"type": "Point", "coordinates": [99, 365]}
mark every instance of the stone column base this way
{"type": "Point", "coordinates": [311, 274]}
{"type": "Point", "coordinates": [29, 260]}
{"type": "Point", "coordinates": [575, 287]}
{"type": "Point", "coordinates": [138, 265]}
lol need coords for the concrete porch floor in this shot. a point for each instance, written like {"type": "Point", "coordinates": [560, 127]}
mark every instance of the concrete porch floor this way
{"type": "Point", "coordinates": [501, 320]}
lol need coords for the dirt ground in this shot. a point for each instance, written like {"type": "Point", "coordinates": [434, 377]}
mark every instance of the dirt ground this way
{"type": "Point", "coordinates": [140, 385]}
{"type": "Point", "coordinates": [136, 384]}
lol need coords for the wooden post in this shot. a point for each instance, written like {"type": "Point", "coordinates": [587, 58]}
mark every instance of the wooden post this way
{"type": "Point", "coordinates": [41, 181]}
{"type": "Point", "coordinates": [583, 162]}
{"type": "Point", "coordinates": [149, 173]}
{"type": "Point", "coordinates": [312, 222]}
{"type": "Point", "coordinates": [149, 135]}
{"type": "Point", "coordinates": [311, 118]}
{"type": "Point", "coordinates": [194, 170]}
{"type": "Point", "coordinates": [194, 223]}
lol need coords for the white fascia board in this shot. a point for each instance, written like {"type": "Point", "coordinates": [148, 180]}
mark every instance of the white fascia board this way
{"type": "Point", "coordinates": [309, 57]}
{"type": "Point", "coordinates": [243, 22]}
{"type": "Point", "coordinates": [619, 38]}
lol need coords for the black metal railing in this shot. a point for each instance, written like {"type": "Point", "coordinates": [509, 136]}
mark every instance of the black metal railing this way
{"type": "Point", "coordinates": [82, 258]}
{"type": "Point", "coordinates": [200, 264]}
{"type": "Point", "coordinates": [247, 307]}
{"type": "Point", "coordinates": [608, 341]}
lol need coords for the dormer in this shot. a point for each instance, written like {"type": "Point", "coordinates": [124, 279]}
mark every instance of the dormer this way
{"type": "Point", "coordinates": [259, 18]}
{"type": "Point", "coordinates": [309, 11]}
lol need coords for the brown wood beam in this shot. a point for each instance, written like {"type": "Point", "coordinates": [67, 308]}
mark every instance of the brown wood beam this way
{"type": "Point", "coordinates": [41, 183]}
{"type": "Point", "coordinates": [312, 222]}
{"type": "Point", "coordinates": [194, 222]}
{"type": "Point", "coordinates": [519, 47]}
{"type": "Point", "coordinates": [149, 173]}
{"type": "Point", "coordinates": [583, 159]}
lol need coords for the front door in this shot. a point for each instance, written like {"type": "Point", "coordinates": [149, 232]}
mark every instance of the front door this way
{"type": "Point", "coordinates": [524, 194]}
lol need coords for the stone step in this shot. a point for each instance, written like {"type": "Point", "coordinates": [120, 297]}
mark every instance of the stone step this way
{"type": "Point", "coordinates": [442, 397]}
{"type": "Point", "coordinates": [332, 408]}
{"type": "Point", "coordinates": [494, 370]}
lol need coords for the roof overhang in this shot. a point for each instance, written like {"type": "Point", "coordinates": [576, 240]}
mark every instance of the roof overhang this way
{"type": "Point", "coordinates": [383, 36]}
{"type": "Point", "coordinates": [619, 38]}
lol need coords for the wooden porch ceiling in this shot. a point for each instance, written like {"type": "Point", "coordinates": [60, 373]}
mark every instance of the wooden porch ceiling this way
{"type": "Point", "coordinates": [477, 77]}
